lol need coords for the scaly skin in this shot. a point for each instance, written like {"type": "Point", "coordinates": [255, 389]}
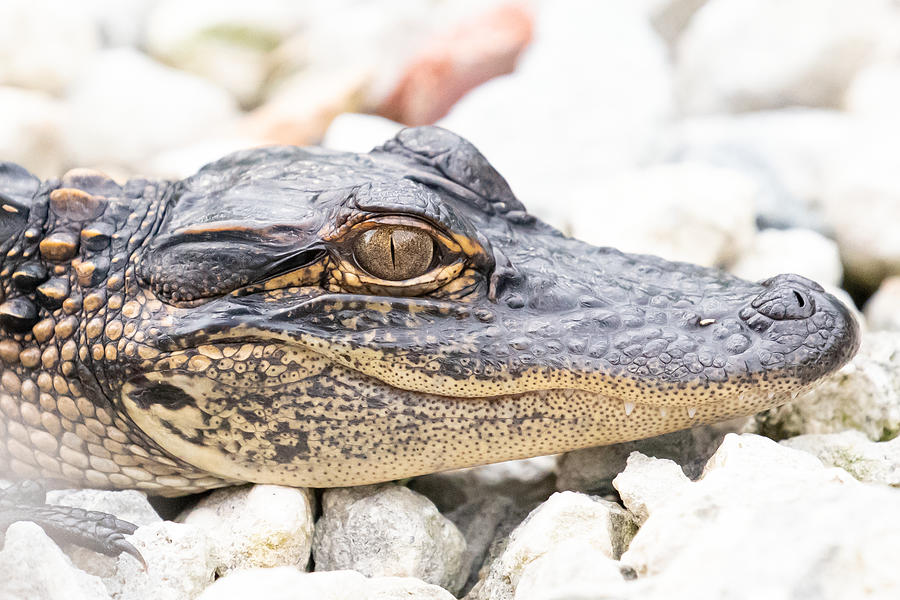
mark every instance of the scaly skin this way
{"type": "Point", "coordinates": [313, 318]}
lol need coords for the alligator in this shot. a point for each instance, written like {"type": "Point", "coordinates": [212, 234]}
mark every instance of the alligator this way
{"type": "Point", "coordinates": [307, 317]}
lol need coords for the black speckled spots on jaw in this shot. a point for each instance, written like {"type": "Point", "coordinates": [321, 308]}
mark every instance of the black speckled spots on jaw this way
{"type": "Point", "coordinates": [148, 393]}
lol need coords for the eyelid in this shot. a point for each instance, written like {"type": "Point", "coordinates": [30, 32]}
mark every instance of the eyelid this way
{"type": "Point", "coordinates": [439, 235]}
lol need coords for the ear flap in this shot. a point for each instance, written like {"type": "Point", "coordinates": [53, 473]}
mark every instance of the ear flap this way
{"type": "Point", "coordinates": [17, 190]}
{"type": "Point", "coordinates": [457, 160]}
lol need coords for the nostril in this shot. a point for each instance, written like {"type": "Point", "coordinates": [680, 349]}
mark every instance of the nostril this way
{"type": "Point", "coordinates": [782, 303]}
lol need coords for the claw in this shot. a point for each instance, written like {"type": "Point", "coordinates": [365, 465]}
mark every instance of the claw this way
{"type": "Point", "coordinates": [98, 531]}
{"type": "Point", "coordinates": [117, 544]}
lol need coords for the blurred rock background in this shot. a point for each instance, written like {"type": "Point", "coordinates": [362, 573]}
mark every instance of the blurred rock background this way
{"type": "Point", "coordinates": [759, 136]}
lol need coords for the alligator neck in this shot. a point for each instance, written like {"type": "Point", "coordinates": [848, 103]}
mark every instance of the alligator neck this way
{"type": "Point", "coordinates": [67, 275]}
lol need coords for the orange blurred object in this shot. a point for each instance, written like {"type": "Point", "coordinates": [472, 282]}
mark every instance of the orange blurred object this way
{"type": "Point", "coordinates": [453, 64]}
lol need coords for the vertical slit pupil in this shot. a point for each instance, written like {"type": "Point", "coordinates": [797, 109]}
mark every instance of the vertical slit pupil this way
{"type": "Point", "coordinates": [393, 257]}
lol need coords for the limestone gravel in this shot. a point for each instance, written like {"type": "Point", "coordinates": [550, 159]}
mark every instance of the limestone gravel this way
{"type": "Point", "coordinates": [285, 583]}
{"type": "Point", "coordinates": [388, 530]}
{"type": "Point", "coordinates": [34, 568]}
{"type": "Point", "coordinates": [573, 527]}
{"type": "Point", "coordinates": [883, 308]}
{"type": "Point", "coordinates": [255, 526]}
{"type": "Point", "coordinates": [868, 461]}
{"type": "Point", "coordinates": [765, 521]}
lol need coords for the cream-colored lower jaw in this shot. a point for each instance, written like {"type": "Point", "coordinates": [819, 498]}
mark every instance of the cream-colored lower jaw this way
{"type": "Point", "coordinates": [348, 429]}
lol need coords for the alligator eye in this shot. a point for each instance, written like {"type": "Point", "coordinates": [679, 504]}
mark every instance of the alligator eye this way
{"type": "Point", "coordinates": [394, 253]}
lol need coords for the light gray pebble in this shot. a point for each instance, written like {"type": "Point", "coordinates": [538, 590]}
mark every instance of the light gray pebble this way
{"type": "Point", "coordinates": [883, 308]}
{"type": "Point", "coordinates": [575, 529]}
{"type": "Point", "coordinates": [179, 564]}
{"type": "Point", "coordinates": [286, 583]}
{"type": "Point", "coordinates": [872, 462]}
{"type": "Point", "coordinates": [255, 526]}
{"type": "Point", "coordinates": [764, 521]}
{"type": "Point", "coordinates": [34, 568]}
{"type": "Point", "coordinates": [388, 530]}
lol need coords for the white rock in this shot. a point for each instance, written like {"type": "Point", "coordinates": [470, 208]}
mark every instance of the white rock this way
{"type": "Point", "coordinates": [400, 588]}
{"type": "Point", "coordinates": [766, 521]}
{"type": "Point", "coordinates": [872, 462]}
{"type": "Point", "coordinates": [255, 526]}
{"type": "Point", "coordinates": [883, 308]}
{"type": "Point", "coordinates": [30, 130]}
{"type": "Point", "coordinates": [179, 564]}
{"type": "Point", "coordinates": [571, 570]}
{"type": "Point", "coordinates": [120, 23]}
{"type": "Point", "coordinates": [788, 152]}
{"type": "Point", "coordinates": [565, 518]}
{"type": "Point", "coordinates": [801, 251]}
{"type": "Point", "coordinates": [862, 205]}
{"type": "Point", "coordinates": [34, 568]}
{"type": "Point", "coordinates": [366, 37]}
{"type": "Point", "coordinates": [285, 583]}
{"type": "Point", "coordinates": [388, 530]}
{"type": "Point", "coordinates": [737, 55]}
{"type": "Point", "coordinates": [751, 456]}
{"type": "Point", "coordinates": [354, 132]}
{"type": "Point", "coordinates": [128, 107]}
{"type": "Point", "coordinates": [592, 470]}
{"type": "Point", "coordinates": [554, 126]}
{"type": "Point", "coordinates": [747, 458]}
{"type": "Point", "coordinates": [648, 483]}
{"type": "Point", "coordinates": [225, 41]}
{"type": "Point", "coordinates": [670, 17]}
{"type": "Point", "coordinates": [44, 44]}
{"type": "Point", "coordinates": [875, 91]}
{"type": "Point", "coordinates": [684, 211]}
{"type": "Point", "coordinates": [863, 395]}
{"type": "Point", "coordinates": [127, 505]}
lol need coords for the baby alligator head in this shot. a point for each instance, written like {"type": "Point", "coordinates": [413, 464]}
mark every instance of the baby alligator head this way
{"type": "Point", "coordinates": [308, 317]}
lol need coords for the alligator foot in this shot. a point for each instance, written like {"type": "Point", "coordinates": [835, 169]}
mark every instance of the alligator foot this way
{"type": "Point", "coordinates": [98, 531]}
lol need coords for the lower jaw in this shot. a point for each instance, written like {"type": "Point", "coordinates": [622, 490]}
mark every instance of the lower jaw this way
{"type": "Point", "coordinates": [360, 433]}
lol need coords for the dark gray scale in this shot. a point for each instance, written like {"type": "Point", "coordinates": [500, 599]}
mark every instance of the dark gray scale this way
{"type": "Point", "coordinates": [53, 293]}
{"type": "Point", "coordinates": [17, 190]}
{"type": "Point", "coordinates": [29, 275]}
{"type": "Point", "coordinates": [96, 236]}
{"type": "Point", "coordinates": [97, 274]}
{"type": "Point", "coordinates": [18, 314]}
